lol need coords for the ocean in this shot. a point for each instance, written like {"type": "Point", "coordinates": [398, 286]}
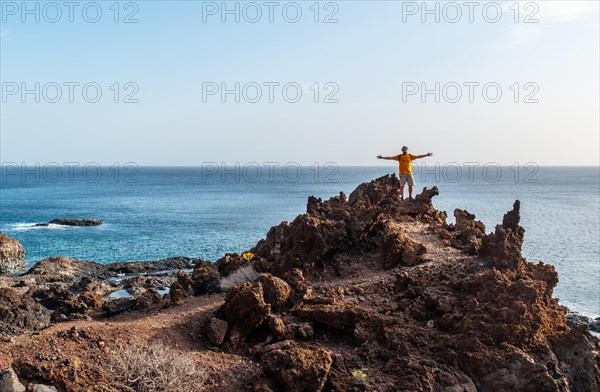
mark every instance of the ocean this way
{"type": "Point", "coordinates": [151, 213]}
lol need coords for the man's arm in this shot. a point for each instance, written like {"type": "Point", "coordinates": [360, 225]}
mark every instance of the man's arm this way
{"type": "Point", "coordinates": [423, 156]}
{"type": "Point", "coordinates": [388, 158]}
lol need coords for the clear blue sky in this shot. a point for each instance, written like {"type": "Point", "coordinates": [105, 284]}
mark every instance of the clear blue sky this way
{"type": "Point", "coordinates": [370, 56]}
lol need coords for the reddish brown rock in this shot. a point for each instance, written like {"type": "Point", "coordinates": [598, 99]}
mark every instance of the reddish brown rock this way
{"type": "Point", "coordinates": [294, 277]}
{"type": "Point", "coordinates": [147, 299]}
{"type": "Point", "coordinates": [229, 263]}
{"type": "Point", "coordinates": [277, 327]}
{"type": "Point", "coordinates": [185, 281]}
{"type": "Point", "coordinates": [469, 232]}
{"type": "Point", "coordinates": [92, 299]}
{"type": "Point", "coordinates": [505, 244]}
{"type": "Point", "coordinates": [305, 331]}
{"type": "Point", "coordinates": [245, 306]}
{"type": "Point", "coordinates": [298, 369]}
{"type": "Point", "coordinates": [177, 293]}
{"type": "Point", "coordinates": [21, 313]}
{"type": "Point", "coordinates": [216, 329]}
{"type": "Point", "coordinates": [205, 280]}
{"type": "Point", "coordinates": [399, 249]}
{"type": "Point", "coordinates": [276, 291]}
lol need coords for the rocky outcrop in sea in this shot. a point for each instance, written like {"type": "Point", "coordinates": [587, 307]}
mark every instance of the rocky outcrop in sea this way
{"type": "Point", "coordinates": [72, 222]}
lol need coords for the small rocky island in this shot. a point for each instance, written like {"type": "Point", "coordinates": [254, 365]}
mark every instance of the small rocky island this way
{"type": "Point", "coordinates": [72, 222]}
{"type": "Point", "coordinates": [366, 293]}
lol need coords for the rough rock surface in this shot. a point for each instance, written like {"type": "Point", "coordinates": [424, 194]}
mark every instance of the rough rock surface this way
{"type": "Point", "coordinates": [298, 369]}
{"type": "Point", "coordinates": [216, 330]}
{"type": "Point", "coordinates": [21, 313]}
{"type": "Point", "coordinates": [276, 291]}
{"type": "Point", "coordinates": [246, 306]}
{"type": "Point", "coordinates": [364, 224]}
{"type": "Point", "coordinates": [9, 382]}
{"type": "Point", "coordinates": [12, 255]}
{"type": "Point", "coordinates": [73, 289]}
{"type": "Point", "coordinates": [390, 287]}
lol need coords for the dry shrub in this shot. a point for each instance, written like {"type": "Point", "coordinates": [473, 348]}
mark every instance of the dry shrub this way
{"type": "Point", "coordinates": [154, 368]}
{"type": "Point", "coordinates": [239, 276]}
{"type": "Point", "coordinates": [12, 266]}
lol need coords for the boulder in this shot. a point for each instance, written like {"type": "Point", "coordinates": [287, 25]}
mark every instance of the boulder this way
{"type": "Point", "coordinates": [118, 305]}
{"type": "Point", "coordinates": [12, 255]}
{"type": "Point", "coordinates": [59, 269]}
{"type": "Point", "coordinates": [277, 327]}
{"type": "Point", "coordinates": [186, 282]}
{"type": "Point", "coordinates": [294, 277]}
{"type": "Point", "coordinates": [276, 291]}
{"type": "Point", "coordinates": [177, 293]}
{"type": "Point", "coordinates": [216, 329]}
{"type": "Point", "coordinates": [9, 382]}
{"type": "Point", "coordinates": [504, 246]}
{"type": "Point", "coordinates": [207, 283]}
{"type": "Point", "coordinates": [147, 299]}
{"type": "Point", "coordinates": [21, 313]}
{"type": "Point", "coordinates": [298, 369]}
{"type": "Point", "coordinates": [245, 306]}
{"type": "Point", "coordinates": [230, 263]}
{"type": "Point", "coordinates": [43, 388]}
{"type": "Point", "coordinates": [361, 224]}
{"type": "Point", "coordinates": [92, 299]}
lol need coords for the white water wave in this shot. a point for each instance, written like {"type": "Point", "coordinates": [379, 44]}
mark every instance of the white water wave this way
{"type": "Point", "coordinates": [32, 226]}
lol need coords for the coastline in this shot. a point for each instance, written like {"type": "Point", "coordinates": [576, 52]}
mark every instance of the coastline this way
{"type": "Point", "coordinates": [355, 284]}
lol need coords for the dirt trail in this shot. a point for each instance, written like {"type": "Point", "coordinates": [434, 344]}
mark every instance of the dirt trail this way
{"type": "Point", "coordinates": [177, 327]}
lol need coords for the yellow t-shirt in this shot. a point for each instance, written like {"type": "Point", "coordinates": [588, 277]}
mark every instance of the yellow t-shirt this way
{"type": "Point", "coordinates": [405, 162]}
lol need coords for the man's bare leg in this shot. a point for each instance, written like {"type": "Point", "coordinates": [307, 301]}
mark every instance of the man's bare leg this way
{"type": "Point", "coordinates": [410, 188]}
{"type": "Point", "coordinates": [402, 192]}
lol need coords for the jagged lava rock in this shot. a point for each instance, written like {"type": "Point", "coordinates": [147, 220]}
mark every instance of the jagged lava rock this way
{"type": "Point", "coordinates": [21, 313]}
{"type": "Point", "coordinates": [364, 223]}
{"type": "Point", "coordinates": [245, 306]}
{"type": "Point", "coordinates": [474, 316]}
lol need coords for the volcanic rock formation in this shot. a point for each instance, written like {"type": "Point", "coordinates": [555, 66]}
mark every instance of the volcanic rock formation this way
{"type": "Point", "coordinates": [388, 286]}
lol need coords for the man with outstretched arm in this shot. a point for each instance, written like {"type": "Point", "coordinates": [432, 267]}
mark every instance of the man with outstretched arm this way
{"type": "Point", "coordinates": [405, 165]}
